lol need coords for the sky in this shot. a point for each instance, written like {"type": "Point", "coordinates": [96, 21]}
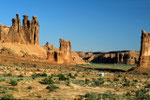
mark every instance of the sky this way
{"type": "Point", "coordinates": [90, 25]}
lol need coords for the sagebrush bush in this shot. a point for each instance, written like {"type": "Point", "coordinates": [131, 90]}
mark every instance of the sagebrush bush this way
{"type": "Point", "coordinates": [142, 94]}
{"type": "Point", "coordinates": [47, 80]}
{"type": "Point", "coordinates": [39, 75]}
{"type": "Point", "coordinates": [126, 83]}
{"type": "Point", "coordinates": [52, 88]}
{"type": "Point", "coordinates": [29, 87]}
{"type": "Point", "coordinates": [98, 82]}
{"type": "Point", "coordinates": [62, 77]}
{"type": "Point", "coordinates": [7, 97]}
{"type": "Point", "coordinates": [13, 82]}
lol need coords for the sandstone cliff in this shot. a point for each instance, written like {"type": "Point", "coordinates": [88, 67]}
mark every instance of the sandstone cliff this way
{"type": "Point", "coordinates": [23, 42]}
{"type": "Point", "coordinates": [123, 57]}
{"type": "Point", "coordinates": [26, 34]}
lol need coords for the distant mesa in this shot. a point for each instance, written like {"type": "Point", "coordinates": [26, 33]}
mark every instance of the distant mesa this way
{"type": "Point", "coordinates": [114, 57]}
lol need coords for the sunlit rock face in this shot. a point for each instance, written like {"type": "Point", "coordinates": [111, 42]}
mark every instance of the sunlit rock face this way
{"type": "Point", "coordinates": [26, 34]}
{"type": "Point", "coordinates": [23, 41]}
{"type": "Point", "coordinates": [144, 60]}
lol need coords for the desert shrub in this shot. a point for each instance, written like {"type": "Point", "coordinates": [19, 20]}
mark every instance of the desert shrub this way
{"type": "Point", "coordinates": [2, 80]}
{"type": "Point", "coordinates": [75, 75]}
{"type": "Point", "coordinates": [39, 95]}
{"type": "Point", "coordinates": [34, 65]}
{"type": "Point", "coordinates": [80, 82]}
{"type": "Point", "coordinates": [20, 75]}
{"type": "Point", "coordinates": [16, 64]}
{"type": "Point", "coordinates": [62, 77]}
{"type": "Point", "coordinates": [119, 75]}
{"type": "Point", "coordinates": [124, 79]}
{"type": "Point", "coordinates": [39, 75]}
{"type": "Point", "coordinates": [29, 87]}
{"type": "Point", "coordinates": [13, 82]}
{"type": "Point", "coordinates": [91, 96]}
{"type": "Point", "coordinates": [109, 96]}
{"type": "Point", "coordinates": [87, 81]}
{"type": "Point", "coordinates": [71, 76]}
{"type": "Point", "coordinates": [7, 97]}
{"type": "Point", "coordinates": [147, 86]}
{"type": "Point", "coordinates": [98, 82]}
{"type": "Point", "coordinates": [5, 88]}
{"type": "Point", "coordinates": [128, 94]}
{"type": "Point", "coordinates": [44, 75]}
{"type": "Point", "coordinates": [47, 80]}
{"type": "Point", "coordinates": [135, 80]}
{"type": "Point", "coordinates": [145, 73]}
{"type": "Point", "coordinates": [68, 83]}
{"type": "Point", "coordinates": [116, 79]}
{"type": "Point", "coordinates": [9, 74]}
{"type": "Point", "coordinates": [142, 94]}
{"type": "Point", "coordinates": [126, 83]}
{"type": "Point", "coordinates": [52, 88]}
{"type": "Point", "coordinates": [95, 96]}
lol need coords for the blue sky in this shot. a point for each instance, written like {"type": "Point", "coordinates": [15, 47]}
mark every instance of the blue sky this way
{"type": "Point", "coordinates": [91, 25]}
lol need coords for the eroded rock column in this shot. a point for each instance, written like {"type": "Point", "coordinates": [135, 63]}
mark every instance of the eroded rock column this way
{"type": "Point", "coordinates": [65, 48]}
{"type": "Point", "coordinates": [144, 60]}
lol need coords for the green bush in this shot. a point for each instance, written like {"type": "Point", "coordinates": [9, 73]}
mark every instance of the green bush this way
{"type": "Point", "coordinates": [2, 80]}
{"type": "Point", "coordinates": [147, 86]}
{"type": "Point", "coordinates": [145, 73]}
{"type": "Point", "coordinates": [124, 79]}
{"type": "Point", "coordinates": [142, 94]}
{"type": "Point", "coordinates": [128, 94]}
{"type": "Point", "coordinates": [13, 82]}
{"type": "Point", "coordinates": [34, 65]}
{"type": "Point", "coordinates": [87, 81]}
{"type": "Point", "coordinates": [98, 82]}
{"type": "Point", "coordinates": [62, 77]}
{"type": "Point", "coordinates": [126, 83]}
{"type": "Point", "coordinates": [68, 83]}
{"type": "Point", "coordinates": [70, 76]}
{"type": "Point", "coordinates": [7, 97]}
{"type": "Point", "coordinates": [91, 96]}
{"type": "Point", "coordinates": [20, 75]}
{"type": "Point", "coordinates": [135, 80]}
{"type": "Point", "coordinates": [29, 87]}
{"type": "Point", "coordinates": [9, 74]}
{"type": "Point", "coordinates": [47, 80]}
{"type": "Point", "coordinates": [75, 75]}
{"type": "Point", "coordinates": [52, 88]}
{"type": "Point", "coordinates": [39, 75]}
{"type": "Point", "coordinates": [95, 96]}
{"type": "Point", "coordinates": [116, 79]}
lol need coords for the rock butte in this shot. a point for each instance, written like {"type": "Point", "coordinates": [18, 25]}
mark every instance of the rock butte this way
{"type": "Point", "coordinates": [144, 57]}
{"type": "Point", "coordinates": [22, 42]}
{"type": "Point", "coordinates": [120, 57]}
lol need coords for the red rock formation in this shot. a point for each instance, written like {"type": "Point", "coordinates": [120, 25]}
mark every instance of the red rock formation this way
{"type": "Point", "coordinates": [144, 60]}
{"type": "Point", "coordinates": [17, 38]}
{"type": "Point", "coordinates": [51, 56]}
{"type": "Point", "coordinates": [65, 48]}
{"type": "Point", "coordinates": [123, 57]}
{"type": "Point", "coordinates": [28, 33]}
{"type": "Point", "coordinates": [59, 57]}
{"type": "Point", "coordinates": [3, 32]}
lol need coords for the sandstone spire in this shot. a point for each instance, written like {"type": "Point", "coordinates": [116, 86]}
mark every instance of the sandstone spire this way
{"type": "Point", "coordinates": [65, 47]}
{"type": "Point", "coordinates": [26, 34]}
{"type": "Point", "coordinates": [144, 59]}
